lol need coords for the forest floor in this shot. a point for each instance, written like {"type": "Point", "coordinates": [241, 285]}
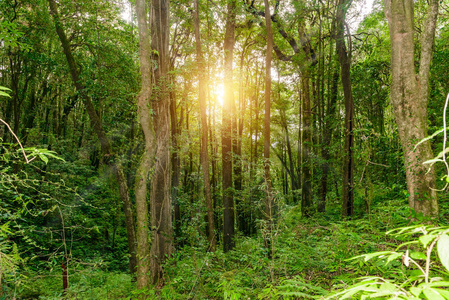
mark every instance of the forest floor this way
{"type": "Point", "coordinates": [309, 257]}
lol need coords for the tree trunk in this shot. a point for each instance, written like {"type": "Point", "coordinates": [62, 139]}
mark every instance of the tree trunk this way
{"type": "Point", "coordinates": [239, 201]}
{"type": "Point", "coordinates": [267, 120]}
{"type": "Point", "coordinates": [228, 197]}
{"type": "Point", "coordinates": [409, 93]}
{"type": "Point", "coordinates": [147, 160]}
{"type": "Point", "coordinates": [328, 129]}
{"type": "Point", "coordinates": [214, 150]}
{"type": "Point", "coordinates": [306, 196]}
{"type": "Point", "coordinates": [161, 219]}
{"type": "Point", "coordinates": [294, 183]}
{"type": "Point", "coordinates": [176, 164]}
{"type": "Point", "coordinates": [109, 157]}
{"type": "Point", "coordinates": [325, 151]}
{"type": "Point", "coordinates": [204, 155]}
{"type": "Point", "coordinates": [345, 71]}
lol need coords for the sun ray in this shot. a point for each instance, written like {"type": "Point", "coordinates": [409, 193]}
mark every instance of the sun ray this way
{"type": "Point", "coordinates": [219, 93]}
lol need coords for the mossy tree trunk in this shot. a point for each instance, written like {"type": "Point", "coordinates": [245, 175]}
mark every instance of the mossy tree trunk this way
{"type": "Point", "coordinates": [409, 93]}
{"type": "Point", "coordinates": [147, 159]}
{"type": "Point", "coordinates": [161, 206]}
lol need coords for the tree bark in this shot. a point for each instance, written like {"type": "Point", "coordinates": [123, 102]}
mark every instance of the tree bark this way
{"type": "Point", "coordinates": [161, 219]}
{"type": "Point", "coordinates": [306, 196]}
{"type": "Point", "coordinates": [291, 170]}
{"type": "Point", "coordinates": [204, 155]}
{"type": "Point", "coordinates": [267, 120]}
{"type": "Point", "coordinates": [409, 96]}
{"type": "Point", "coordinates": [238, 163]}
{"type": "Point", "coordinates": [327, 133]}
{"type": "Point", "coordinates": [176, 164]}
{"type": "Point", "coordinates": [109, 156]}
{"type": "Point", "coordinates": [345, 71]}
{"type": "Point", "coordinates": [228, 197]}
{"type": "Point", "coordinates": [147, 160]}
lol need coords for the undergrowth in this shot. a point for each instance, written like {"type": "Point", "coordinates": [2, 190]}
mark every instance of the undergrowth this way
{"type": "Point", "coordinates": [309, 258]}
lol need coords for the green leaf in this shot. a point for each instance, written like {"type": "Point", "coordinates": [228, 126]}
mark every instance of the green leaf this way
{"type": "Point", "coordinates": [43, 158]}
{"type": "Point", "coordinates": [418, 255]}
{"type": "Point", "coordinates": [387, 286]}
{"type": "Point", "coordinates": [405, 244]}
{"type": "Point", "coordinates": [351, 292]}
{"type": "Point", "coordinates": [393, 257]}
{"type": "Point", "coordinates": [5, 228]}
{"type": "Point", "coordinates": [439, 283]}
{"type": "Point", "coordinates": [426, 239]}
{"type": "Point", "coordinates": [416, 291]}
{"type": "Point", "coordinates": [382, 294]}
{"type": "Point", "coordinates": [432, 294]}
{"type": "Point", "coordinates": [443, 250]}
{"type": "Point", "coordinates": [368, 285]}
{"type": "Point", "coordinates": [443, 293]}
{"type": "Point", "coordinates": [2, 88]}
{"type": "Point", "coordinates": [4, 94]}
{"type": "Point", "coordinates": [372, 255]}
{"type": "Point", "coordinates": [43, 154]}
{"type": "Point", "coordinates": [406, 230]}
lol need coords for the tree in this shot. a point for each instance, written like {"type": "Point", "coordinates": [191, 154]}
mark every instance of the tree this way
{"type": "Point", "coordinates": [204, 154]}
{"type": "Point", "coordinates": [345, 71]}
{"type": "Point", "coordinates": [266, 131]}
{"type": "Point", "coordinates": [104, 141]}
{"type": "Point", "coordinates": [306, 146]}
{"type": "Point", "coordinates": [161, 207]}
{"type": "Point", "coordinates": [409, 96]}
{"type": "Point", "coordinates": [267, 119]}
{"type": "Point", "coordinates": [147, 160]}
{"type": "Point", "coordinates": [228, 199]}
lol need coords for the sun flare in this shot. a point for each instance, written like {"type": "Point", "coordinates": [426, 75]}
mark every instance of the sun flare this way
{"type": "Point", "coordinates": [219, 93]}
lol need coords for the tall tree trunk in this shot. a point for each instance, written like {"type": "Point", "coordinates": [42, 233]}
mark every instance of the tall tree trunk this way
{"type": "Point", "coordinates": [292, 173]}
{"type": "Point", "coordinates": [228, 197]}
{"type": "Point", "coordinates": [239, 201]}
{"type": "Point", "coordinates": [255, 123]}
{"type": "Point", "coordinates": [15, 66]}
{"type": "Point", "coordinates": [109, 157]}
{"type": "Point", "coordinates": [257, 105]}
{"type": "Point", "coordinates": [306, 196]}
{"type": "Point", "coordinates": [409, 96]}
{"type": "Point", "coordinates": [161, 219]}
{"type": "Point", "coordinates": [327, 132]}
{"type": "Point", "coordinates": [267, 131]}
{"type": "Point", "coordinates": [204, 155]}
{"type": "Point", "coordinates": [267, 120]}
{"type": "Point", "coordinates": [187, 161]}
{"type": "Point", "coordinates": [147, 160]}
{"type": "Point", "coordinates": [300, 141]}
{"type": "Point", "coordinates": [214, 157]}
{"type": "Point", "coordinates": [176, 163]}
{"type": "Point", "coordinates": [345, 71]}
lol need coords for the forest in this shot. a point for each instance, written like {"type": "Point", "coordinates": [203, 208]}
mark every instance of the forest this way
{"type": "Point", "coordinates": [224, 149]}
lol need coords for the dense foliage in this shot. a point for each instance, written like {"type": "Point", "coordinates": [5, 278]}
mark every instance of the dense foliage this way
{"type": "Point", "coordinates": [307, 221]}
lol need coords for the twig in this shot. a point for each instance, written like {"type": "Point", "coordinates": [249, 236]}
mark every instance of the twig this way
{"type": "Point", "coordinates": [429, 251]}
{"type": "Point", "coordinates": [377, 164]}
{"type": "Point", "coordinates": [20, 144]}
